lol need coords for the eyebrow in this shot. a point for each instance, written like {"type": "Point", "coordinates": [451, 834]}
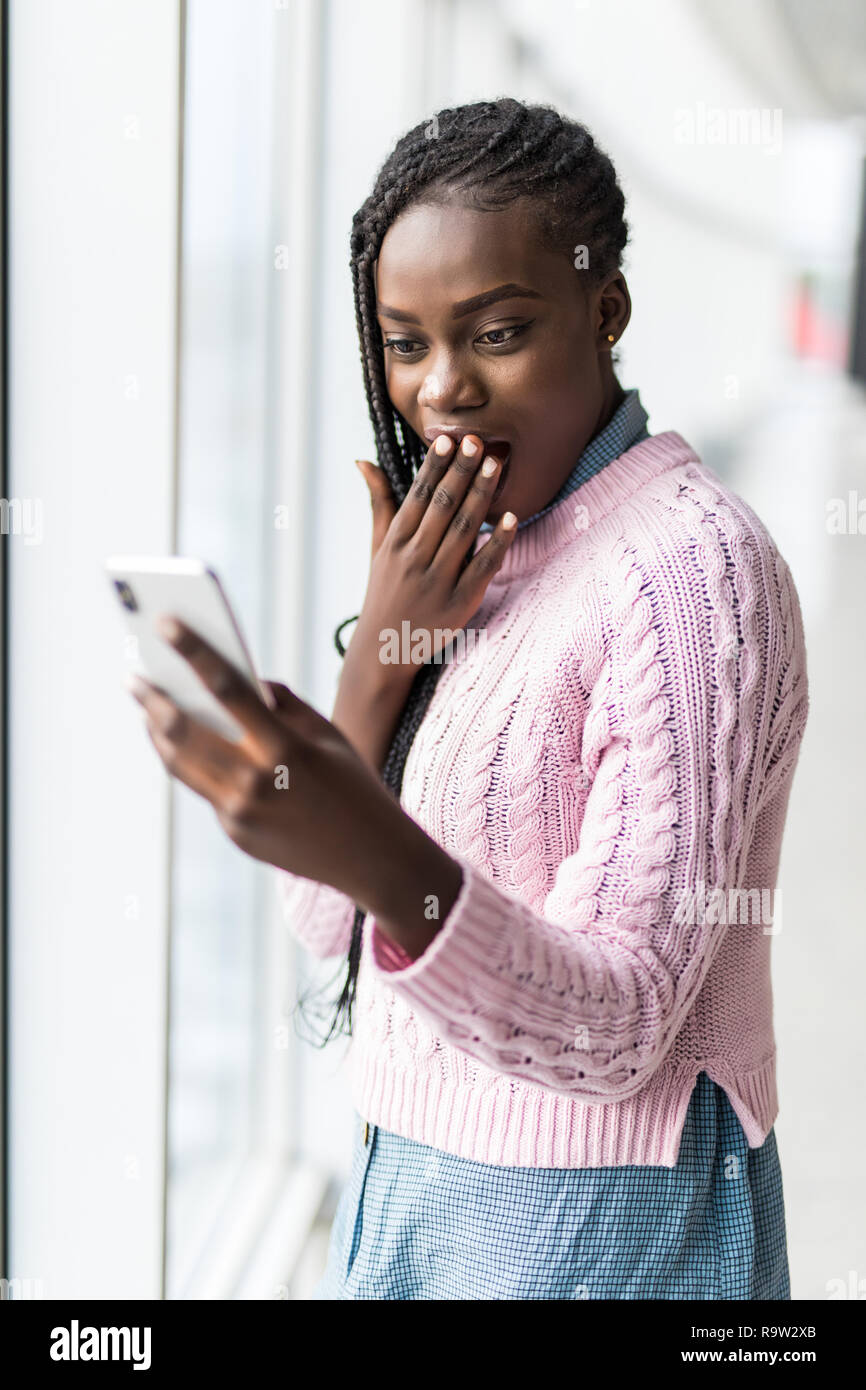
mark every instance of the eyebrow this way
{"type": "Point", "coordinates": [467, 306]}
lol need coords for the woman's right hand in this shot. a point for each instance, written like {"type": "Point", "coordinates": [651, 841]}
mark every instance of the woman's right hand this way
{"type": "Point", "coordinates": [416, 576]}
{"type": "Point", "coordinates": [418, 550]}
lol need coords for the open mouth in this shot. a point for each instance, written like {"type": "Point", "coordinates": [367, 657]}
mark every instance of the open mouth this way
{"type": "Point", "coordinates": [499, 449]}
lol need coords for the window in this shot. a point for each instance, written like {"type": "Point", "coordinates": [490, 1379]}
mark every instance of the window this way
{"type": "Point", "coordinates": [220, 1034]}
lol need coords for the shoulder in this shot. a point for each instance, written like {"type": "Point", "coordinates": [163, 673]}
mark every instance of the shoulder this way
{"type": "Point", "coordinates": [682, 586]}
{"type": "Point", "coordinates": [685, 546]}
{"type": "Point", "coordinates": [696, 596]}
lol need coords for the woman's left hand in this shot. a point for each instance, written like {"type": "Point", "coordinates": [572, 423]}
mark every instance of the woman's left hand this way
{"type": "Point", "coordinates": [293, 792]}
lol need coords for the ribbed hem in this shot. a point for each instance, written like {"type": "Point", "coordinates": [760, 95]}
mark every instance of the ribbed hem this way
{"type": "Point", "coordinates": [753, 1095]}
{"type": "Point", "coordinates": [533, 1128]}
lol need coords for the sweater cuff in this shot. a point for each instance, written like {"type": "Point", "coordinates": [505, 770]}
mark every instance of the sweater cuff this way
{"type": "Point", "coordinates": [470, 934]}
{"type": "Point", "coordinates": [387, 954]}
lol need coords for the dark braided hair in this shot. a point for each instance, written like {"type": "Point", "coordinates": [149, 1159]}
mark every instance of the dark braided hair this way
{"type": "Point", "coordinates": [485, 155]}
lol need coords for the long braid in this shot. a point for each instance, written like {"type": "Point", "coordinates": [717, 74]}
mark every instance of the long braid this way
{"type": "Point", "coordinates": [486, 154]}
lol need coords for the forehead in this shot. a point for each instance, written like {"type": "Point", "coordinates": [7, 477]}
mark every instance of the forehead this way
{"type": "Point", "coordinates": [453, 252]}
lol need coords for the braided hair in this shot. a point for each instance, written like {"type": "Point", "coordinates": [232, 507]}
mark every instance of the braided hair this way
{"type": "Point", "coordinates": [485, 155]}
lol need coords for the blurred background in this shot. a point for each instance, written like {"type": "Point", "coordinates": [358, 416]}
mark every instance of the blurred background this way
{"type": "Point", "coordinates": [182, 375]}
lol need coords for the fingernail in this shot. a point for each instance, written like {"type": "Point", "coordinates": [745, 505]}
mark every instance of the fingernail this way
{"type": "Point", "coordinates": [509, 520]}
{"type": "Point", "coordinates": [469, 447]}
{"type": "Point", "coordinates": [488, 467]}
{"type": "Point", "coordinates": [167, 627]}
{"type": "Point", "coordinates": [443, 444]}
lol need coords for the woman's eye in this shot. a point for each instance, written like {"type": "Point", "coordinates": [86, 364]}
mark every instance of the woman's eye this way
{"type": "Point", "coordinates": [515, 330]}
{"type": "Point", "coordinates": [495, 337]}
{"type": "Point", "coordinates": [402, 346]}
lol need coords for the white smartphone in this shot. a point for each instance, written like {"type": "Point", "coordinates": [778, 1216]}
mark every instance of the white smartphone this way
{"type": "Point", "coordinates": [146, 586]}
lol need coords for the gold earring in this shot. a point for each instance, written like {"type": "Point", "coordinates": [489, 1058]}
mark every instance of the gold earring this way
{"type": "Point", "coordinates": [610, 337]}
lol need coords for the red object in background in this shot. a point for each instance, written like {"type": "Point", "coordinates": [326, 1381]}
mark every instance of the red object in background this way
{"type": "Point", "coordinates": [814, 334]}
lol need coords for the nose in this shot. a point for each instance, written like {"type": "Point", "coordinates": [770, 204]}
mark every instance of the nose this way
{"type": "Point", "coordinates": [431, 390]}
{"type": "Point", "coordinates": [447, 387]}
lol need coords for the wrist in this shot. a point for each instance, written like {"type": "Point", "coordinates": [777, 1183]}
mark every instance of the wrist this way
{"type": "Point", "coordinates": [370, 695]}
{"type": "Point", "coordinates": [366, 675]}
{"type": "Point", "coordinates": [364, 665]}
{"type": "Point", "coordinates": [413, 895]}
{"type": "Point", "coordinates": [368, 706]}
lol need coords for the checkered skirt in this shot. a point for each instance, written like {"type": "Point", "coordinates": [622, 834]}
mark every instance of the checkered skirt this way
{"type": "Point", "coordinates": [414, 1222]}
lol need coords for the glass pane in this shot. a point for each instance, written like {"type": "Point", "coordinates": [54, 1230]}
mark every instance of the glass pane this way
{"type": "Point", "coordinates": [218, 892]}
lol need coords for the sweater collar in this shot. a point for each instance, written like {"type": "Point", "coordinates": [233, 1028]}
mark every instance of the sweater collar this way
{"type": "Point", "coordinates": [592, 500]}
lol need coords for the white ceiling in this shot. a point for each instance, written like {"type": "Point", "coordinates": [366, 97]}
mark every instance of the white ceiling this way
{"type": "Point", "coordinates": [809, 55]}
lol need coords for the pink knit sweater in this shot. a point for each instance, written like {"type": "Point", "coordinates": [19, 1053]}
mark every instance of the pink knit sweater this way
{"type": "Point", "coordinates": [611, 768]}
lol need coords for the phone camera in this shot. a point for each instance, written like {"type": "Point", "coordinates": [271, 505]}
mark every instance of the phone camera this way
{"type": "Point", "coordinates": [127, 597]}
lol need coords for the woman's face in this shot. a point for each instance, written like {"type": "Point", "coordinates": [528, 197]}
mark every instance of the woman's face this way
{"type": "Point", "coordinates": [489, 333]}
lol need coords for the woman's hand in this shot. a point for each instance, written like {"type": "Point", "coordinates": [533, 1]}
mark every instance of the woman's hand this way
{"type": "Point", "coordinates": [418, 551]}
{"type": "Point", "coordinates": [415, 576]}
{"type": "Point", "coordinates": [293, 793]}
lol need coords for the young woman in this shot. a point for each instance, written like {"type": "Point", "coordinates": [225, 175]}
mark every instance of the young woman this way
{"type": "Point", "coordinates": [547, 851]}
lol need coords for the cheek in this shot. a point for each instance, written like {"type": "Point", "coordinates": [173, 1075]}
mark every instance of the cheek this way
{"type": "Point", "coordinates": [566, 363]}
{"type": "Point", "coordinates": [402, 386]}
{"type": "Point", "coordinates": [553, 391]}
{"type": "Point", "coordinates": [560, 395]}
{"type": "Point", "coordinates": [552, 370]}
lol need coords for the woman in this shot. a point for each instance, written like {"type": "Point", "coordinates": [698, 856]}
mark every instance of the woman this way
{"type": "Point", "coordinates": [535, 849]}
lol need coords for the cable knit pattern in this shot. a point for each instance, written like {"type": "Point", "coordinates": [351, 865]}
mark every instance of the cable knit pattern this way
{"type": "Point", "coordinates": [614, 760]}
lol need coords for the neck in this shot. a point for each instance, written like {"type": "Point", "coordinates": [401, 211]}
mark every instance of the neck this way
{"type": "Point", "coordinates": [612, 399]}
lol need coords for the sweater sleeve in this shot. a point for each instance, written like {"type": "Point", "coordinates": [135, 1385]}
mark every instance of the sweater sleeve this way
{"type": "Point", "coordinates": [586, 996]}
{"type": "Point", "coordinates": [319, 915]}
